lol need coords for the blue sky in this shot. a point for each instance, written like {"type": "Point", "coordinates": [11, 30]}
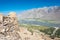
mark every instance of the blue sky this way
{"type": "Point", "coordinates": [20, 5]}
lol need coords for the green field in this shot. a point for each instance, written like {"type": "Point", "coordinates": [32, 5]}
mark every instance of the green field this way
{"type": "Point", "coordinates": [44, 29]}
{"type": "Point", "coordinates": [41, 20]}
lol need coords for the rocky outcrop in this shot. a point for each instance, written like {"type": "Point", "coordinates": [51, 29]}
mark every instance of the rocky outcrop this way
{"type": "Point", "coordinates": [10, 30]}
{"type": "Point", "coordinates": [9, 27]}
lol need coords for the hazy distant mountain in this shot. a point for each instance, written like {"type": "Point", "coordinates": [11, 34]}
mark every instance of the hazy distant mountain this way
{"type": "Point", "coordinates": [46, 13]}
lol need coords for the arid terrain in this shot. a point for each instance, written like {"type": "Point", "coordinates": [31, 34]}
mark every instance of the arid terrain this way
{"type": "Point", "coordinates": [10, 30]}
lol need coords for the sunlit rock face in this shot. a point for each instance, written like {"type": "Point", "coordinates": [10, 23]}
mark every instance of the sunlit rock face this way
{"type": "Point", "coordinates": [12, 14]}
{"type": "Point", "coordinates": [1, 17]}
{"type": "Point", "coordinates": [8, 27]}
{"type": "Point", "coordinates": [1, 20]}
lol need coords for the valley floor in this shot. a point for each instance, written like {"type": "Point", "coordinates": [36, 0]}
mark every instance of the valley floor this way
{"type": "Point", "coordinates": [27, 35]}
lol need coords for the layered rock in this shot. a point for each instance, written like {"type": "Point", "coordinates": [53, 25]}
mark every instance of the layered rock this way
{"type": "Point", "coordinates": [9, 27]}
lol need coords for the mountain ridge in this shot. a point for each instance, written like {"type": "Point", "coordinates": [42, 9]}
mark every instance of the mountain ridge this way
{"type": "Point", "coordinates": [45, 13]}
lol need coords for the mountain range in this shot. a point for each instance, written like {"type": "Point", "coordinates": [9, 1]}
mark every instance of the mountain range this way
{"type": "Point", "coordinates": [44, 13]}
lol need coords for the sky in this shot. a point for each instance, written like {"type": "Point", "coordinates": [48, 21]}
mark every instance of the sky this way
{"type": "Point", "coordinates": [20, 5]}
